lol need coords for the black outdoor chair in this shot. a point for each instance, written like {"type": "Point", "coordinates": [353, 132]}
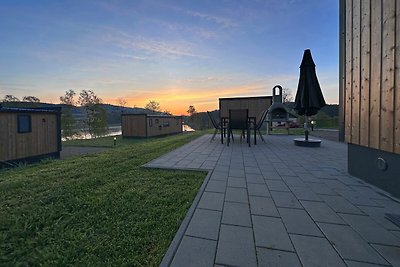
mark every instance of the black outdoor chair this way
{"type": "Point", "coordinates": [239, 120]}
{"type": "Point", "coordinates": [257, 127]}
{"type": "Point", "coordinates": [217, 125]}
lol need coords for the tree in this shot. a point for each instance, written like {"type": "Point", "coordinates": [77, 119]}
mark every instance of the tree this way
{"type": "Point", "coordinates": [191, 110]}
{"type": "Point", "coordinates": [30, 98]}
{"type": "Point", "coordinates": [121, 102]}
{"type": "Point", "coordinates": [153, 106]}
{"type": "Point", "coordinates": [10, 98]}
{"type": "Point", "coordinates": [68, 123]}
{"type": "Point", "coordinates": [68, 98]}
{"type": "Point", "coordinates": [96, 117]}
{"type": "Point", "coordinates": [287, 95]}
{"type": "Point", "coordinates": [167, 112]}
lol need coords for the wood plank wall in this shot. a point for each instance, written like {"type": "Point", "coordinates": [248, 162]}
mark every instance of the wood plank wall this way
{"type": "Point", "coordinates": [133, 125]}
{"type": "Point", "coordinates": [139, 125]}
{"type": "Point", "coordinates": [255, 105]}
{"type": "Point", "coordinates": [174, 126]}
{"type": "Point", "coordinates": [43, 139]}
{"type": "Point", "coordinates": [372, 75]}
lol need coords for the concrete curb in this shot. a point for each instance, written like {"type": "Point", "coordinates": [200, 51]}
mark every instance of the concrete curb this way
{"type": "Point", "coordinates": [173, 247]}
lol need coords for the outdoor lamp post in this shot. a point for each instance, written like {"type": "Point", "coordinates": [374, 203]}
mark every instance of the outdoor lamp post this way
{"type": "Point", "coordinates": [312, 125]}
{"type": "Point", "coordinates": [115, 141]}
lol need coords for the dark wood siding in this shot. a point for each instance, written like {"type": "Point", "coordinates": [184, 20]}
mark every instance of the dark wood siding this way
{"type": "Point", "coordinates": [255, 105]}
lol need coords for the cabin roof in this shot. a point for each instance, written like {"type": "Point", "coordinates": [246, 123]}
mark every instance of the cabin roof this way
{"type": "Point", "coordinates": [30, 110]}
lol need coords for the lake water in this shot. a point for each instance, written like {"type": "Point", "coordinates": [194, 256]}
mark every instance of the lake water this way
{"type": "Point", "coordinates": [116, 130]}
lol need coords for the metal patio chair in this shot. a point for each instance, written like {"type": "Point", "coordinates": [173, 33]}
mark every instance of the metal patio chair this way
{"type": "Point", "coordinates": [257, 126]}
{"type": "Point", "coordinates": [217, 125]}
{"type": "Point", "coordinates": [239, 120]}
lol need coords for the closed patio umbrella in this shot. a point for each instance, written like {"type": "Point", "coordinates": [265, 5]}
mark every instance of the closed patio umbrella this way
{"type": "Point", "coordinates": [309, 98]}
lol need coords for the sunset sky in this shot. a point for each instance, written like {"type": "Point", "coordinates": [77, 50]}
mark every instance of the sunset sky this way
{"type": "Point", "coordinates": [178, 53]}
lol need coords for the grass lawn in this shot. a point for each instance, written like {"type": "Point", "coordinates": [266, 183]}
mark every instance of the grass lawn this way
{"type": "Point", "coordinates": [109, 141]}
{"type": "Point", "coordinates": [95, 210]}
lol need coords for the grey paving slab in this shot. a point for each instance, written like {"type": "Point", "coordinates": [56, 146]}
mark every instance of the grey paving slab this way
{"type": "Point", "coordinates": [212, 201]}
{"type": "Point", "coordinates": [337, 185]}
{"type": "Point", "coordinates": [237, 173]}
{"type": "Point", "coordinates": [219, 175]}
{"type": "Point", "coordinates": [316, 251]}
{"type": "Point", "coordinates": [391, 254]}
{"type": "Point", "coordinates": [370, 230]}
{"type": "Point", "coordinates": [252, 170]}
{"type": "Point", "coordinates": [236, 246]}
{"type": "Point", "coordinates": [237, 182]}
{"type": "Point", "coordinates": [285, 199]}
{"type": "Point", "coordinates": [238, 187]}
{"type": "Point", "coordinates": [205, 224]}
{"type": "Point", "coordinates": [304, 193]}
{"type": "Point", "coordinates": [216, 186]}
{"type": "Point", "coordinates": [378, 215]}
{"type": "Point", "coordinates": [264, 206]}
{"type": "Point", "coordinates": [358, 199]}
{"type": "Point", "coordinates": [258, 190]}
{"type": "Point", "coordinates": [396, 233]}
{"type": "Point", "coordinates": [277, 258]}
{"type": "Point", "coordinates": [234, 194]}
{"type": "Point", "coordinates": [271, 175]}
{"type": "Point", "coordinates": [270, 232]}
{"type": "Point", "coordinates": [255, 179]}
{"type": "Point", "coordinates": [299, 222]}
{"type": "Point", "coordinates": [197, 251]}
{"type": "Point", "coordinates": [322, 189]}
{"type": "Point", "coordinates": [293, 181]}
{"type": "Point", "coordinates": [349, 244]}
{"type": "Point", "coordinates": [340, 204]}
{"type": "Point", "coordinates": [362, 264]}
{"type": "Point", "coordinates": [236, 214]}
{"type": "Point", "coordinates": [277, 185]}
{"type": "Point", "coordinates": [321, 212]}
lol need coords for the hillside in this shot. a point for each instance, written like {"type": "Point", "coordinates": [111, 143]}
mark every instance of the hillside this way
{"type": "Point", "coordinates": [113, 112]}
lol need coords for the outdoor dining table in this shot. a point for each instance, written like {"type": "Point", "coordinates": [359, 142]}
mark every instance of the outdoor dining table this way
{"type": "Point", "coordinates": [224, 126]}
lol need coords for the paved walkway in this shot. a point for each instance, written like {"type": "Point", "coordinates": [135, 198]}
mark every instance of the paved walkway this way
{"type": "Point", "coordinates": [277, 204]}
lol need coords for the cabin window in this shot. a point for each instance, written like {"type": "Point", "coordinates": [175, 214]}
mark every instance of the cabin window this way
{"type": "Point", "coordinates": [177, 121]}
{"type": "Point", "coordinates": [150, 122]}
{"type": "Point", "coordinates": [156, 121]}
{"type": "Point", "coordinates": [166, 124]}
{"type": "Point", "coordinates": [24, 124]}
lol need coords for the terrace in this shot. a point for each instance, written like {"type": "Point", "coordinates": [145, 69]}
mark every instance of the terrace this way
{"type": "Point", "coordinates": [276, 204]}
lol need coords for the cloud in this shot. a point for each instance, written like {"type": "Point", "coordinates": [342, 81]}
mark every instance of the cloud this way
{"type": "Point", "coordinates": [152, 46]}
{"type": "Point", "coordinates": [222, 21]}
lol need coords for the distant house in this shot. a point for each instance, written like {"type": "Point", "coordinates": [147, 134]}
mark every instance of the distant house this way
{"type": "Point", "coordinates": [29, 134]}
{"type": "Point", "coordinates": [148, 125]}
{"type": "Point", "coordinates": [370, 90]}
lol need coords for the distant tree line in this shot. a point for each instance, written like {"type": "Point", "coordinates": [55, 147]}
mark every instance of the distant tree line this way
{"type": "Point", "coordinates": [12, 98]}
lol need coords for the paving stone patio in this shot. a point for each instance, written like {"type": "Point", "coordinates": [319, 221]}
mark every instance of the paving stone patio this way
{"type": "Point", "coordinates": [276, 204]}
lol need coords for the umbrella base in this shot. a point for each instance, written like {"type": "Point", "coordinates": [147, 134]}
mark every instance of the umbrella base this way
{"type": "Point", "coordinates": [307, 143]}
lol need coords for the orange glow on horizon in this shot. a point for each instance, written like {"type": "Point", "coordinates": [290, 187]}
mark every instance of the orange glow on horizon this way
{"type": "Point", "coordinates": [178, 100]}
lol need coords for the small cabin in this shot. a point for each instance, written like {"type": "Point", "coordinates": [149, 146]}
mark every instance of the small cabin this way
{"type": "Point", "coordinates": [29, 134]}
{"type": "Point", "coordinates": [148, 125]}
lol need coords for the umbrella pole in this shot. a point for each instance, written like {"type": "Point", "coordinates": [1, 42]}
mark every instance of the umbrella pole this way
{"type": "Point", "coordinates": [306, 127]}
